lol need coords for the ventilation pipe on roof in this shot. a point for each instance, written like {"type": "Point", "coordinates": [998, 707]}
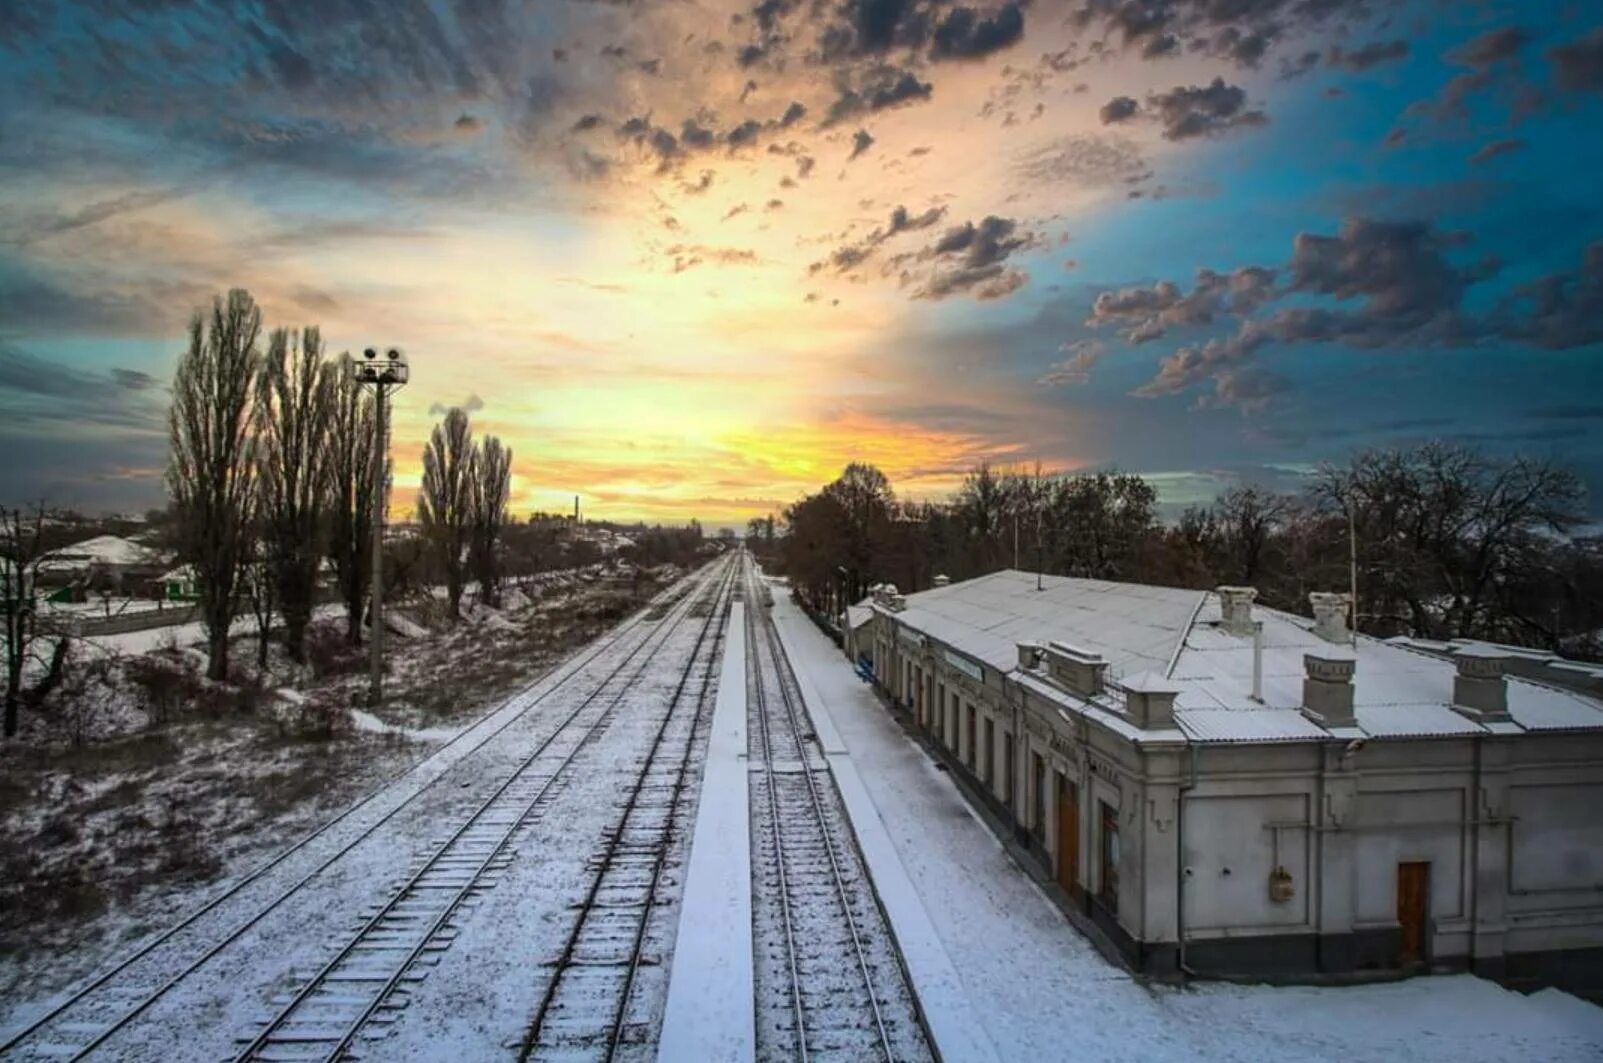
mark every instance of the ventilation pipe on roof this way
{"type": "Point", "coordinates": [1149, 700]}
{"type": "Point", "coordinates": [1327, 687]}
{"type": "Point", "coordinates": [1080, 671]}
{"type": "Point", "coordinates": [1257, 662]}
{"type": "Point", "coordinates": [1235, 608]}
{"type": "Point", "coordinates": [1479, 689]}
{"type": "Point", "coordinates": [1330, 616]}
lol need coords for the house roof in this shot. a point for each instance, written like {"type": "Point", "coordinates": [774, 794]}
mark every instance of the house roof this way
{"type": "Point", "coordinates": [101, 550]}
{"type": "Point", "coordinates": [1178, 635]}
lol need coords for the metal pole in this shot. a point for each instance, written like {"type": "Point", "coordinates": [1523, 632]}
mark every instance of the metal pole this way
{"type": "Point", "coordinates": [1352, 571]}
{"type": "Point", "coordinates": [380, 453]}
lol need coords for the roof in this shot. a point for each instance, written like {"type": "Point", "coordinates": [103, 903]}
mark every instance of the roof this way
{"type": "Point", "coordinates": [102, 550]}
{"type": "Point", "coordinates": [1167, 637]}
{"type": "Point", "coordinates": [1134, 627]}
{"type": "Point", "coordinates": [857, 616]}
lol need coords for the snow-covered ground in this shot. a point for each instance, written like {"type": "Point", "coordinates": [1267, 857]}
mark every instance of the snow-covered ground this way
{"type": "Point", "coordinates": [1041, 991]}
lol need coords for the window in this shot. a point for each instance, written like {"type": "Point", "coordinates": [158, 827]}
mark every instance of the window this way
{"type": "Point", "coordinates": [1108, 878]}
{"type": "Point", "coordinates": [1038, 811]}
{"type": "Point", "coordinates": [951, 725]}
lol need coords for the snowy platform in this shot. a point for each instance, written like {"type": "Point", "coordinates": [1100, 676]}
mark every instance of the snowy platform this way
{"type": "Point", "coordinates": [711, 997]}
{"type": "Point", "coordinates": [981, 937]}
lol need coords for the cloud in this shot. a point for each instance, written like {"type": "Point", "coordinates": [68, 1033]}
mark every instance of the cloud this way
{"type": "Point", "coordinates": [471, 404]}
{"type": "Point", "coordinates": [1578, 65]}
{"type": "Point", "coordinates": [971, 259]}
{"type": "Point", "coordinates": [467, 123]}
{"type": "Point", "coordinates": [862, 140]}
{"type": "Point", "coordinates": [1240, 33]}
{"type": "Point", "coordinates": [1087, 159]}
{"type": "Point", "coordinates": [1076, 369]}
{"type": "Point", "coordinates": [1492, 47]}
{"type": "Point", "coordinates": [1118, 109]}
{"type": "Point", "coordinates": [965, 34]}
{"type": "Point", "coordinates": [1369, 55]}
{"type": "Point", "coordinates": [1189, 111]}
{"type": "Point", "coordinates": [689, 256]}
{"type": "Point", "coordinates": [877, 89]}
{"type": "Point", "coordinates": [1494, 149]}
{"type": "Point", "coordinates": [133, 379]}
{"type": "Point", "coordinates": [1374, 285]}
{"type": "Point", "coordinates": [848, 257]}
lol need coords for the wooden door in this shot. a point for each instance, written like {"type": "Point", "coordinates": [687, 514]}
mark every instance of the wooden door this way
{"type": "Point", "coordinates": [1413, 910]}
{"type": "Point", "coordinates": [1068, 837]}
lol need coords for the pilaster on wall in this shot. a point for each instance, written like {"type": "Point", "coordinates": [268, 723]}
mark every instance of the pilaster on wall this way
{"type": "Point", "coordinates": [1489, 903]}
{"type": "Point", "coordinates": [1160, 864]}
{"type": "Point", "coordinates": [1335, 882]}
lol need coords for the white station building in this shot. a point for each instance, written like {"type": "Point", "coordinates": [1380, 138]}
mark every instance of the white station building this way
{"type": "Point", "coordinates": [1227, 790]}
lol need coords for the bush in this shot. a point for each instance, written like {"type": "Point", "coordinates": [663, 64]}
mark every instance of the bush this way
{"type": "Point", "coordinates": [166, 688]}
{"type": "Point", "coordinates": [329, 654]}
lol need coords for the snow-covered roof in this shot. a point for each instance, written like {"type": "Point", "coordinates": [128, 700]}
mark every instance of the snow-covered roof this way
{"type": "Point", "coordinates": [1398, 691]}
{"type": "Point", "coordinates": [101, 550]}
{"type": "Point", "coordinates": [858, 615]}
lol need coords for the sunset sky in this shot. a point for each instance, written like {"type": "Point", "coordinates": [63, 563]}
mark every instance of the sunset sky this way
{"type": "Point", "coordinates": [690, 257]}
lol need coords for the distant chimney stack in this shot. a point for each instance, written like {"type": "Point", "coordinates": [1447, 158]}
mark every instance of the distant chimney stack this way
{"type": "Point", "coordinates": [1149, 700]}
{"type": "Point", "coordinates": [1235, 607]}
{"type": "Point", "coordinates": [1327, 687]}
{"type": "Point", "coordinates": [941, 581]}
{"type": "Point", "coordinates": [1330, 616]}
{"type": "Point", "coordinates": [1079, 671]}
{"type": "Point", "coordinates": [1479, 689]}
{"type": "Point", "coordinates": [1029, 656]}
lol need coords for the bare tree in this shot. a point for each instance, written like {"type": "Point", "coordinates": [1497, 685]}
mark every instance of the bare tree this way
{"type": "Point", "coordinates": [492, 489]}
{"type": "Point", "coordinates": [295, 396]}
{"type": "Point", "coordinates": [1248, 519]}
{"type": "Point", "coordinates": [351, 491]}
{"type": "Point", "coordinates": [209, 472]}
{"type": "Point", "coordinates": [445, 501]}
{"type": "Point", "coordinates": [21, 551]}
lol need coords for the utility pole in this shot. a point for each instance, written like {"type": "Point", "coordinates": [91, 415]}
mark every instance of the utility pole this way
{"type": "Point", "coordinates": [392, 372]}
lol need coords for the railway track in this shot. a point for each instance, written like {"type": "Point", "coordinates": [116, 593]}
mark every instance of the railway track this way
{"type": "Point", "coordinates": [830, 982]}
{"type": "Point", "coordinates": [110, 1002]}
{"type": "Point", "coordinates": [584, 1007]}
{"type": "Point", "coordinates": [323, 1019]}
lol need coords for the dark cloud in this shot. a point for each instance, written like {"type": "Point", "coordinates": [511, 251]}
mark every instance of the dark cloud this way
{"type": "Point", "coordinates": [1375, 285]}
{"type": "Point", "coordinates": [1189, 111]}
{"type": "Point", "coordinates": [970, 259]}
{"type": "Point", "coordinates": [1247, 389]}
{"type": "Point", "coordinates": [1491, 47]}
{"type": "Point", "coordinates": [1118, 109]}
{"type": "Point", "coordinates": [689, 256]}
{"type": "Point", "coordinates": [966, 34]}
{"type": "Point", "coordinates": [862, 140]}
{"type": "Point", "coordinates": [587, 123]}
{"type": "Point", "coordinates": [1494, 149]}
{"type": "Point", "coordinates": [133, 379]}
{"type": "Point", "coordinates": [849, 256]}
{"type": "Point", "coordinates": [1572, 412]}
{"type": "Point", "coordinates": [1369, 55]}
{"type": "Point", "coordinates": [1237, 32]}
{"type": "Point", "coordinates": [89, 215]}
{"type": "Point", "coordinates": [1578, 65]}
{"type": "Point", "coordinates": [467, 123]}
{"type": "Point", "coordinates": [1560, 311]}
{"type": "Point", "coordinates": [876, 89]}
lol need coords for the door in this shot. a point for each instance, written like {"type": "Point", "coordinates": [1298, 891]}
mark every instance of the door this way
{"type": "Point", "coordinates": [1413, 910]}
{"type": "Point", "coordinates": [1068, 837]}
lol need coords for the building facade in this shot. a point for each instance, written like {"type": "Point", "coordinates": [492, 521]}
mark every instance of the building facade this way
{"type": "Point", "coordinates": [1230, 790]}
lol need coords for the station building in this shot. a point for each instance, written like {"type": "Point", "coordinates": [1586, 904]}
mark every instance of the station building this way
{"type": "Point", "coordinates": [1229, 790]}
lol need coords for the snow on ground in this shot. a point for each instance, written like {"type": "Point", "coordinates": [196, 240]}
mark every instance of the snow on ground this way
{"type": "Point", "coordinates": [1042, 991]}
{"type": "Point", "coordinates": [709, 1012]}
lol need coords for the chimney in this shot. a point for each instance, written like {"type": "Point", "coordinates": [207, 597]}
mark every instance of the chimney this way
{"type": "Point", "coordinates": [1149, 700]}
{"type": "Point", "coordinates": [1235, 607]}
{"type": "Point", "coordinates": [1029, 656]}
{"type": "Point", "coordinates": [1080, 671]}
{"type": "Point", "coordinates": [1330, 616]}
{"type": "Point", "coordinates": [1327, 687]}
{"type": "Point", "coordinates": [1479, 689]}
{"type": "Point", "coordinates": [941, 581]}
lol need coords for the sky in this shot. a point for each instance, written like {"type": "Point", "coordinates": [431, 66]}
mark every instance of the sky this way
{"type": "Point", "coordinates": [688, 258]}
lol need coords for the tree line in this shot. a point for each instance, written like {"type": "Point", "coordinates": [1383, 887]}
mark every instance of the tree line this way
{"type": "Point", "coordinates": [1446, 541]}
{"type": "Point", "coordinates": [275, 466]}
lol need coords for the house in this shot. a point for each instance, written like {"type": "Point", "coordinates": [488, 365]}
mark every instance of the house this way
{"type": "Point", "coordinates": [1231, 790]}
{"type": "Point", "coordinates": [105, 562]}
